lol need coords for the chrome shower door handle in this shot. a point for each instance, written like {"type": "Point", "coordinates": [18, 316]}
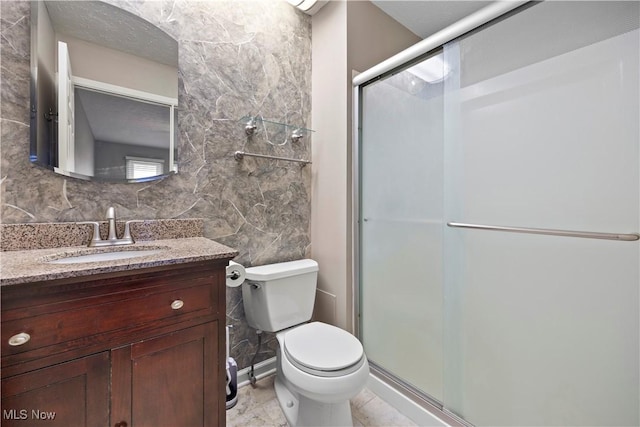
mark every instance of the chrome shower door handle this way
{"type": "Point", "coordinates": [628, 237]}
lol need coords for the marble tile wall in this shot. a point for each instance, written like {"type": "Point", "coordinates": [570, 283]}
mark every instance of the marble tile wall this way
{"type": "Point", "coordinates": [236, 58]}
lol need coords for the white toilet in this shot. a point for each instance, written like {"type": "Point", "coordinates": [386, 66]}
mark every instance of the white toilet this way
{"type": "Point", "coordinates": [319, 366]}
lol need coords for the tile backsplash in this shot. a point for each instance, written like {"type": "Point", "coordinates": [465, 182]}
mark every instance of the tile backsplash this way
{"type": "Point", "coordinates": [236, 58]}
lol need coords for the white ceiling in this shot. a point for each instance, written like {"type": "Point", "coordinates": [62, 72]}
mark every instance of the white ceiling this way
{"type": "Point", "coordinates": [426, 17]}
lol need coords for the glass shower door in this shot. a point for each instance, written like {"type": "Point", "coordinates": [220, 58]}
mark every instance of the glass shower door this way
{"type": "Point", "coordinates": [401, 225]}
{"type": "Point", "coordinates": [531, 122]}
{"type": "Point", "coordinates": [541, 131]}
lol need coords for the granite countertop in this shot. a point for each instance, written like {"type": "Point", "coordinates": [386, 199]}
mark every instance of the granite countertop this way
{"type": "Point", "coordinates": [23, 266]}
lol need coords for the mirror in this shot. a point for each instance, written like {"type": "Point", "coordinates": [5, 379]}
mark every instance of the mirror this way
{"type": "Point", "coordinates": [104, 93]}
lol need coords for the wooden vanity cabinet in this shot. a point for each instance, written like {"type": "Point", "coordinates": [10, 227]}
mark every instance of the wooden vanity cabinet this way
{"type": "Point", "coordinates": [138, 348]}
{"type": "Point", "coordinates": [75, 393]}
{"type": "Point", "coordinates": [165, 381]}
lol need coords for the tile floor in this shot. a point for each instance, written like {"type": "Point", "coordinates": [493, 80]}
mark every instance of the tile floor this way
{"type": "Point", "coordinates": [259, 407]}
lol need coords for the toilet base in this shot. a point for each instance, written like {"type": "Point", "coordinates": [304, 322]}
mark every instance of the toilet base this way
{"type": "Point", "coordinates": [288, 402]}
{"type": "Point", "coordinates": [302, 412]}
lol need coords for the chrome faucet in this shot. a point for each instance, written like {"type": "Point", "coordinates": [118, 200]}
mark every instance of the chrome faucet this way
{"type": "Point", "coordinates": [112, 238]}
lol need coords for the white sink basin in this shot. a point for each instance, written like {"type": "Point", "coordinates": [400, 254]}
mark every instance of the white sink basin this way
{"type": "Point", "coordinates": [105, 256]}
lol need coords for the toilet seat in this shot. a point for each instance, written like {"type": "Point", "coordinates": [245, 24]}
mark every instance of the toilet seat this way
{"type": "Point", "coordinates": [323, 350]}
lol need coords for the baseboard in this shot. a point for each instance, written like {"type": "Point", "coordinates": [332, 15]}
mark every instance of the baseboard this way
{"type": "Point", "coordinates": [260, 370]}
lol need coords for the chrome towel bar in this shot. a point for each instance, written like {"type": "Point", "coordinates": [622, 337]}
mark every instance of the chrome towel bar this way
{"type": "Point", "coordinates": [549, 232]}
{"type": "Point", "coordinates": [239, 155]}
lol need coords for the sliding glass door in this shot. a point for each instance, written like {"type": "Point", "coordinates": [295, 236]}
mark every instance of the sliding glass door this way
{"type": "Point", "coordinates": [530, 122]}
{"type": "Point", "coordinates": [401, 225]}
{"type": "Point", "coordinates": [541, 113]}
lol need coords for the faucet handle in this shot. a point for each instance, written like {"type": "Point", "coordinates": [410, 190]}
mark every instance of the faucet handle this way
{"type": "Point", "coordinates": [111, 218]}
{"type": "Point", "coordinates": [127, 230]}
{"type": "Point", "coordinates": [96, 231]}
{"type": "Point", "coordinates": [111, 213]}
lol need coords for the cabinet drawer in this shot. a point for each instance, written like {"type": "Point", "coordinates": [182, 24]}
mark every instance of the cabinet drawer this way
{"type": "Point", "coordinates": [80, 322]}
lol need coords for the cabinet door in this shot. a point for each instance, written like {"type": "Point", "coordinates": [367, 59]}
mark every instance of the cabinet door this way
{"type": "Point", "coordinates": [75, 393]}
{"type": "Point", "coordinates": [171, 380]}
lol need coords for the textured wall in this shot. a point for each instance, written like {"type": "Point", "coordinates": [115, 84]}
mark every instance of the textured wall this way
{"type": "Point", "coordinates": [236, 58]}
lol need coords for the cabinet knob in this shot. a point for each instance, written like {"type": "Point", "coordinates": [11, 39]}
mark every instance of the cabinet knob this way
{"type": "Point", "coordinates": [121, 424]}
{"type": "Point", "coordinates": [177, 304]}
{"type": "Point", "coordinates": [19, 339]}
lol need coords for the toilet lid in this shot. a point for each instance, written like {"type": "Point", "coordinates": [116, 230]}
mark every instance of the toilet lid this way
{"type": "Point", "coordinates": [322, 347]}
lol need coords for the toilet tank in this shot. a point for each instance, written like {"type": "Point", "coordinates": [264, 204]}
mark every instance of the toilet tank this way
{"type": "Point", "coordinates": [278, 296]}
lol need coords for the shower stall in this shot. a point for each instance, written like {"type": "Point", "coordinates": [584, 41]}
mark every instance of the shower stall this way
{"type": "Point", "coordinates": [498, 204]}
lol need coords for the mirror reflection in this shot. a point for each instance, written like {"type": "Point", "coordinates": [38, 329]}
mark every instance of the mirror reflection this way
{"type": "Point", "coordinates": [104, 93]}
